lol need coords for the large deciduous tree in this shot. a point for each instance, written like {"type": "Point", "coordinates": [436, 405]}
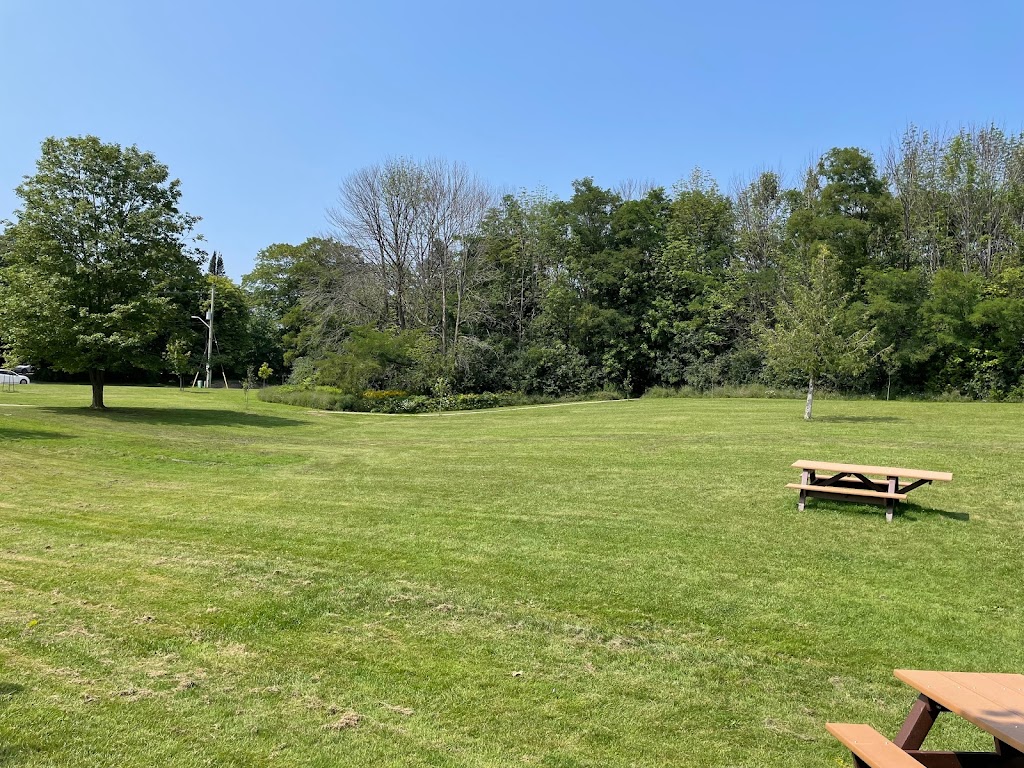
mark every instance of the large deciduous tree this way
{"type": "Point", "coordinates": [98, 266]}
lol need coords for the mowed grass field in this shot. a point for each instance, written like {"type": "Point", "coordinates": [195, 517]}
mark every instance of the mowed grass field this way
{"type": "Point", "coordinates": [186, 582]}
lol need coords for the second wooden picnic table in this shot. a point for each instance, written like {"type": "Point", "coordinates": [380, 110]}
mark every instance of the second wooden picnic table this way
{"type": "Point", "coordinates": [852, 482]}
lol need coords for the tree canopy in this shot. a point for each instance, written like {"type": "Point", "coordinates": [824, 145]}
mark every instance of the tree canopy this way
{"type": "Point", "coordinates": [900, 274]}
{"type": "Point", "coordinates": [97, 270]}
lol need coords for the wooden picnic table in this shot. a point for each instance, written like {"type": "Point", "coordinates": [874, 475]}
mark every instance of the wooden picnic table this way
{"type": "Point", "coordinates": [851, 482]}
{"type": "Point", "coordinates": [993, 702]}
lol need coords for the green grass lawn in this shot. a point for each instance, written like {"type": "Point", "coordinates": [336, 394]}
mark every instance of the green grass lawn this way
{"type": "Point", "coordinates": [186, 582]}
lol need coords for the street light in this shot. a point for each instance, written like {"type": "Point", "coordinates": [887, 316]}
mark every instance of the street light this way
{"type": "Point", "coordinates": [208, 322]}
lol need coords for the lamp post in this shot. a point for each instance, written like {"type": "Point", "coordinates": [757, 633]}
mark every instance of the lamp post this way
{"type": "Point", "coordinates": [208, 322]}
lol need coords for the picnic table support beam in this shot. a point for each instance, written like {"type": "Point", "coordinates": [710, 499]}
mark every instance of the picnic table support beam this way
{"type": "Point", "coordinates": [915, 484]}
{"type": "Point", "coordinates": [829, 481]}
{"type": "Point", "coordinates": [1007, 752]}
{"type": "Point", "coordinates": [918, 723]}
{"type": "Point", "coordinates": [806, 478]}
{"type": "Point", "coordinates": [890, 505]}
{"type": "Point", "coordinates": [962, 759]}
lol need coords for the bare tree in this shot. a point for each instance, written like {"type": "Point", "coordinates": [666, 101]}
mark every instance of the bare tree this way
{"type": "Point", "coordinates": [635, 189]}
{"type": "Point", "coordinates": [912, 171]}
{"type": "Point", "coordinates": [979, 168]}
{"type": "Point", "coordinates": [760, 210]}
{"type": "Point", "coordinates": [957, 196]}
{"type": "Point", "coordinates": [412, 221]}
{"type": "Point", "coordinates": [454, 208]}
{"type": "Point", "coordinates": [378, 211]}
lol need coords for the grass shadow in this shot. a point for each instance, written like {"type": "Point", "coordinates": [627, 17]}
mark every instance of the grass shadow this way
{"type": "Point", "coordinates": [8, 433]}
{"type": "Point", "coordinates": [916, 513]}
{"type": "Point", "coordinates": [8, 689]}
{"type": "Point", "coordinates": [907, 511]}
{"type": "Point", "coordinates": [858, 419]}
{"type": "Point", "coordinates": [184, 417]}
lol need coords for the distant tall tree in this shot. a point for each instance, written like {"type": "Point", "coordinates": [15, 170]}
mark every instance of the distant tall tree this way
{"type": "Point", "coordinates": [453, 208]}
{"type": "Point", "coordinates": [588, 303]}
{"type": "Point", "coordinates": [913, 170]}
{"type": "Point", "coordinates": [378, 211]}
{"type": "Point", "coordinates": [275, 283]}
{"type": "Point", "coordinates": [700, 230]}
{"type": "Point", "coordinates": [847, 207]}
{"type": "Point", "coordinates": [216, 266]}
{"type": "Point", "coordinates": [518, 239]}
{"type": "Point", "coordinates": [983, 170]}
{"type": "Point", "coordinates": [809, 339]}
{"type": "Point", "coordinates": [693, 318]}
{"type": "Point", "coordinates": [98, 267]}
{"type": "Point", "coordinates": [760, 212]}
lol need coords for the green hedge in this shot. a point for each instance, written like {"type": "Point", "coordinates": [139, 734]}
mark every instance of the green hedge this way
{"type": "Point", "coordinates": [331, 399]}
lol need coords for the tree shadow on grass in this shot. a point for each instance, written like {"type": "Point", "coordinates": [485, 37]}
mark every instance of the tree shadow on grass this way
{"type": "Point", "coordinates": [184, 417]}
{"type": "Point", "coordinates": [858, 419]}
{"type": "Point", "coordinates": [917, 513]}
{"type": "Point", "coordinates": [8, 433]}
{"type": "Point", "coordinates": [914, 513]}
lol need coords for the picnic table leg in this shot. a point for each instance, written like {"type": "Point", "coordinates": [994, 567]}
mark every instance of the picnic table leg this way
{"type": "Point", "coordinates": [805, 479]}
{"type": "Point", "coordinates": [918, 723]}
{"type": "Point", "coordinates": [1006, 751]}
{"type": "Point", "coordinates": [890, 504]}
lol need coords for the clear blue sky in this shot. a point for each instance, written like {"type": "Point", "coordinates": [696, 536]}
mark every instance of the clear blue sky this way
{"type": "Point", "coordinates": [261, 108]}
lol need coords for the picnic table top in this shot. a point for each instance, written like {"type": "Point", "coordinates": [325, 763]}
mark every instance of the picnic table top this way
{"type": "Point", "coordinates": [992, 701]}
{"type": "Point", "coordinates": [917, 474]}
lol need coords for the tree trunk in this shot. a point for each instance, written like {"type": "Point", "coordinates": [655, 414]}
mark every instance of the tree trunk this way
{"type": "Point", "coordinates": [810, 399]}
{"type": "Point", "coordinates": [96, 379]}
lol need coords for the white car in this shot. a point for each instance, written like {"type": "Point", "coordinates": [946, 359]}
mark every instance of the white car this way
{"type": "Point", "coordinates": [10, 377]}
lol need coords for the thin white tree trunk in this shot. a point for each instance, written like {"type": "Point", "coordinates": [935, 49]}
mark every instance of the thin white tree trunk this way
{"type": "Point", "coordinates": [810, 399]}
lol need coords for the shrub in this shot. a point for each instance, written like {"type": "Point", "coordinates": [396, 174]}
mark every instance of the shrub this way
{"type": "Point", "coordinates": [656, 392]}
{"type": "Point", "coordinates": [556, 369]}
{"type": "Point", "coordinates": [320, 398]}
{"type": "Point", "coordinates": [380, 394]}
{"type": "Point", "coordinates": [396, 401]}
{"type": "Point", "coordinates": [755, 391]}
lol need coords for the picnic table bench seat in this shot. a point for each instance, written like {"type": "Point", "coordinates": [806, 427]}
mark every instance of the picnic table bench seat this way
{"type": "Point", "coordinates": [844, 491]}
{"type": "Point", "coordinates": [853, 482]}
{"type": "Point", "coordinates": [870, 748]}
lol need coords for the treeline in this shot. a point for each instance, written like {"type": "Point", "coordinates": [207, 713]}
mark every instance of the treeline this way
{"type": "Point", "coordinates": [428, 277]}
{"type": "Point", "coordinates": [903, 275]}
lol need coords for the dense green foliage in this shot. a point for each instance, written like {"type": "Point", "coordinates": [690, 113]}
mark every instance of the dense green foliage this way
{"type": "Point", "coordinates": [188, 583]}
{"type": "Point", "coordinates": [427, 276]}
{"type": "Point", "coordinates": [690, 288]}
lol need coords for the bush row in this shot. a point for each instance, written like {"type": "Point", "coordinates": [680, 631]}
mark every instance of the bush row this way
{"type": "Point", "coordinates": [372, 401]}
